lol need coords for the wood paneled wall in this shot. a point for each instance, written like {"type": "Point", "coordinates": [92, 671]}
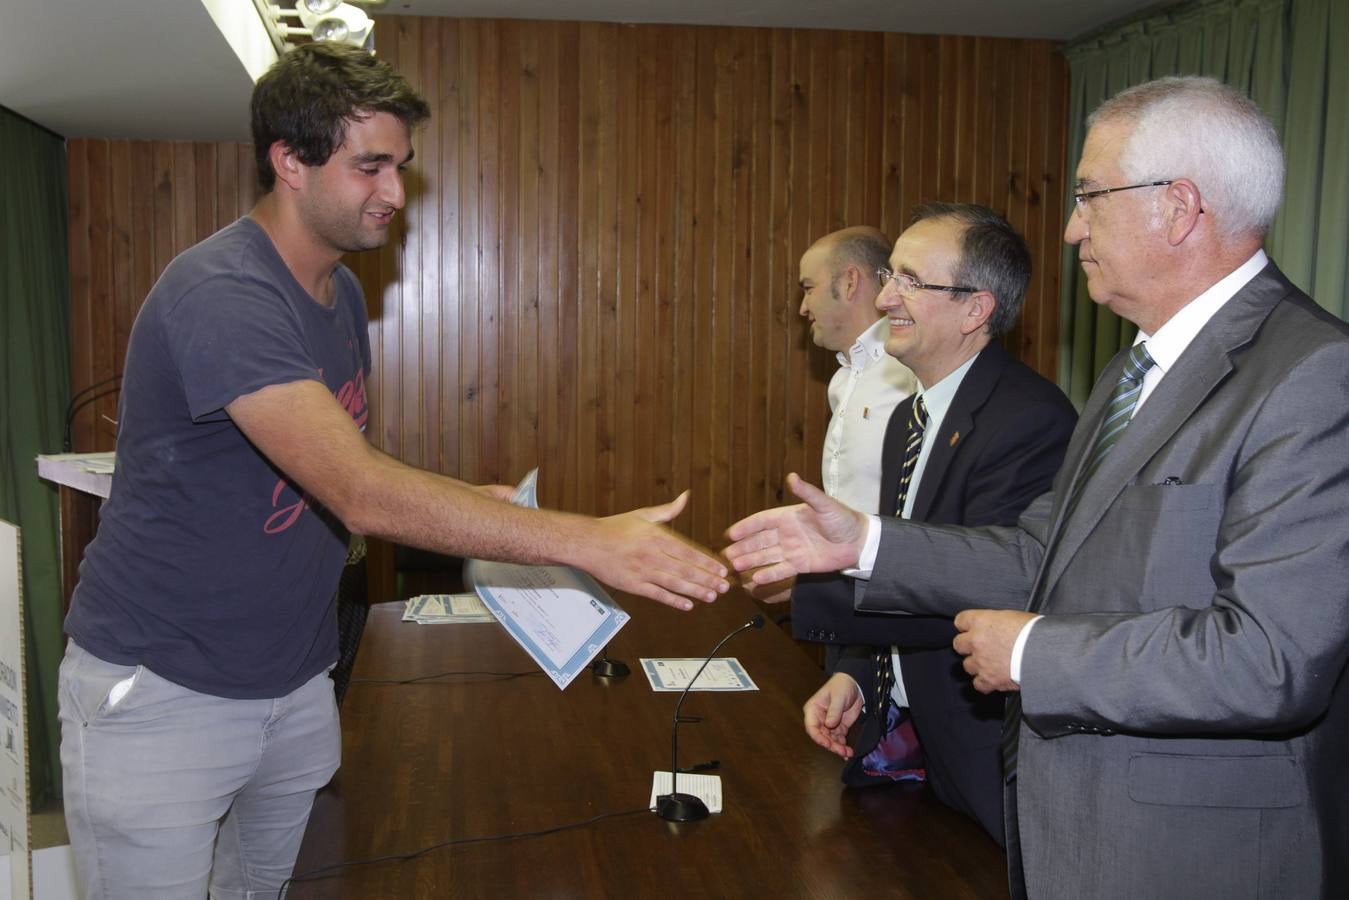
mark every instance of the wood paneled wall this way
{"type": "Point", "coordinates": [596, 271]}
{"type": "Point", "coordinates": [134, 206]}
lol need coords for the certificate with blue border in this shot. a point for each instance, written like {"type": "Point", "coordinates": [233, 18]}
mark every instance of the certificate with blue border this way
{"type": "Point", "coordinates": [561, 616]}
{"type": "Point", "coordinates": [721, 673]}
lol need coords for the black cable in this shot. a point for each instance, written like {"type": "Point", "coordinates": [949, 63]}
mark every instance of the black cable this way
{"type": "Point", "coordinates": [505, 676]}
{"type": "Point", "coordinates": [72, 407]}
{"type": "Point", "coordinates": [312, 874]}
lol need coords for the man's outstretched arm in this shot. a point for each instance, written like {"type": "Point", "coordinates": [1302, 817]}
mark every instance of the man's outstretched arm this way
{"type": "Point", "coordinates": [306, 434]}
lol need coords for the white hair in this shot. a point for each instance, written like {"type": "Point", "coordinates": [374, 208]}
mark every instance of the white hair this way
{"type": "Point", "coordinates": [1203, 130]}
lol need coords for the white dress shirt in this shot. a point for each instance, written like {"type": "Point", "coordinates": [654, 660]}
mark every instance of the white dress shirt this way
{"type": "Point", "coordinates": [937, 399]}
{"type": "Point", "coordinates": [1165, 348]}
{"type": "Point", "coordinates": [862, 394]}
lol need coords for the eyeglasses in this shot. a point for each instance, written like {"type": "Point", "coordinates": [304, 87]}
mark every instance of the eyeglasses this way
{"type": "Point", "coordinates": [908, 285]}
{"type": "Point", "coordinates": [1082, 197]}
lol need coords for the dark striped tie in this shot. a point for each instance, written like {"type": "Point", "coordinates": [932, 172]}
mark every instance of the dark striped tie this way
{"type": "Point", "coordinates": [885, 676]}
{"type": "Point", "coordinates": [914, 446]}
{"type": "Point", "coordinates": [1118, 414]}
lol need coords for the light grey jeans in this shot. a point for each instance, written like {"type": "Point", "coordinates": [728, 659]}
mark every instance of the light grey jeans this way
{"type": "Point", "coordinates": [169, 792]}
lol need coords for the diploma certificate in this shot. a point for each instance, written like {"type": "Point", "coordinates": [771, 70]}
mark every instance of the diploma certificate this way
{"type": "Point", "coordinates": [561, 616]}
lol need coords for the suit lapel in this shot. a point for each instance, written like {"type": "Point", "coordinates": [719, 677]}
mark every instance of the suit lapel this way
{"type": "Point", "coordinates": [1204, 365]}
{"type": "Point", "coordinates": [892, 455]}
{"type": "Point", "coordinates": [957, 425]}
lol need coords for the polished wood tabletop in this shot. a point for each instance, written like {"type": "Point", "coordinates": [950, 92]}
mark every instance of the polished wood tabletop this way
{"type": "Point", "coordinates": [476, 756]}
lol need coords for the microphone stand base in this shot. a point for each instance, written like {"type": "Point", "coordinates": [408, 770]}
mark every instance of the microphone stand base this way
{"type": "Point", "coordinates": [681, 808]}
{"type": "Point", "coordinates": [609, 668]}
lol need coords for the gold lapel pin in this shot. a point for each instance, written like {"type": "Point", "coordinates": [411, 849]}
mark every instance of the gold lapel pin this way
{"type": "Point", "coordinates": [955, 437]}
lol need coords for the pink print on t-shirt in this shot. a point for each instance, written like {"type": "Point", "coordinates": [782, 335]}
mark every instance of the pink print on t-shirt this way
{"type": "Point", "coordinates": [351, 395]}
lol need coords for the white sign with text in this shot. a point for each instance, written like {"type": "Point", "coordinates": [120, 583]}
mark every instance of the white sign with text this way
{"type": "Point", "coordinates": [15, 824]}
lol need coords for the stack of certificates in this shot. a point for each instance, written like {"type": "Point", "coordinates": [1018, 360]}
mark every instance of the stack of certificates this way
{"type": "Point", "coordinates": [446, 609]}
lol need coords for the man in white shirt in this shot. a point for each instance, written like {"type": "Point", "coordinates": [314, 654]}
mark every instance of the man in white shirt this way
{"type": "Point", "coordinates": [1179, 712]}
{"type": "Point", "coordinates": [838, 298]}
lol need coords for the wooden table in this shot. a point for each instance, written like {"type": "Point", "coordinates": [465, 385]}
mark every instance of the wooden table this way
{"type": "Point", "coordinates": [477, 756]}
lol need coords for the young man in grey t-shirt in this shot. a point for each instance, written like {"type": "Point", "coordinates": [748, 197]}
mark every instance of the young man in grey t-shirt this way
{"type": "Point", "coordinates": [196, 718]}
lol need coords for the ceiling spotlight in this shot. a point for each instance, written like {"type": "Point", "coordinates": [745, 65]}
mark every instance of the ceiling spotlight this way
{"type": "Point", "coordinates": [319, 20]}
{"type": "Point", "coordinates": [331, 30]}
{"type": "Point", "coordinates": [329, 20]}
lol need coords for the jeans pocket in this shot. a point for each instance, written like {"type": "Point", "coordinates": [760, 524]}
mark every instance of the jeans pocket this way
{"type": "Point", "coordinates": [89, 683]}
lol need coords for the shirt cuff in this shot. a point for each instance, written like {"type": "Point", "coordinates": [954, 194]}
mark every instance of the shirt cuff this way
{"type": "Point", "coordinates": [1019, 647]}
{"type": "Point", "coordinates": [861, 693]}
{"type": "Point", "coordinates": [866, 560]}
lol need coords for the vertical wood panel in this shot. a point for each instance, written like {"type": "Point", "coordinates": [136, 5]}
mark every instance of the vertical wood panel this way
{"type": "Point", "coordinates": [490, 274]}
{"type": "Point", "coordinates": [547, 157]}
{"type": "Point", "coordinates": [408, 272]}
{"type": "Point", "coordinates": [469, 250]}
{"type": "Point", "coordinates": [121, 245]}
{"type": "Point", "coordinates": [780, 299]}
{"type": "Point", "coordinates": [447, 113]}
{"type": "Point", "coordinates": [431, 178]}
{"type": "Point", "coordinates": [665, 149]}
{"type": "Point", "coordinates": [596, 271]}
{"type": "Point", "coordinates": [525, 420]}
{"type": "Point", "coordinates": [81, 289]}
{"type": "Point", "coordinates": [103, 353]}
{"type": "Point", "coordinates": [569, 359]}
{"type": "Point", "coordinates": [651, 78]}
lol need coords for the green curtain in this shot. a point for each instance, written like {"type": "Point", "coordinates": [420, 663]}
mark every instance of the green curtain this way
{"type": "Point", "coordinates": [1279, 53]}
{"type": "Point", "coordinates": [34, 304]}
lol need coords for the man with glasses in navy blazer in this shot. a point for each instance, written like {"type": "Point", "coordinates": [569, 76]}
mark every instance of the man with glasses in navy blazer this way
{"type": "Point", "coordinates": [994, 433]}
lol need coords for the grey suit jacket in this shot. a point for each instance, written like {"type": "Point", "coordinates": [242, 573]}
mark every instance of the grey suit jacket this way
{"type": "Point", "coordinates": [1185, 725]}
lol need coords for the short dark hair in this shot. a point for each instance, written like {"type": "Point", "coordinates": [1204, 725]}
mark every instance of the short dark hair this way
{"type": "Point", "coordinates": [993, 257]}
{"type": "Point", "coordinates": [307, 98]}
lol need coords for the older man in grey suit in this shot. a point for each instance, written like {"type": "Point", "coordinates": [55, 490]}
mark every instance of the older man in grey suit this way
{"type": "Point", "coordinates": [1174, 614]}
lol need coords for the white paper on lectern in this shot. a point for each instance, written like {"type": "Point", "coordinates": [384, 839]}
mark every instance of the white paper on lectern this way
{"type": "Point", "coordinates": [706, 788]}
{"type": "Point", "coordinates": [559, 615]}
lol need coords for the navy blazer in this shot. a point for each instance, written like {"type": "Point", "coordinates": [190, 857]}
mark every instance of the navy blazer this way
{"type": "Point", "coordinates": [999, 446]}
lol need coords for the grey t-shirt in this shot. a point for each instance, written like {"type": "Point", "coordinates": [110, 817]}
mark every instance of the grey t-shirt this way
{"type": "Point", "coordinates": [210, 568]}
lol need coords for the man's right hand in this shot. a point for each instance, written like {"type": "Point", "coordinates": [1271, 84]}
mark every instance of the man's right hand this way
{"type": "Point", "coordinates": [819, 535]}
{"type": "Point", "coordinates": [831, 712]}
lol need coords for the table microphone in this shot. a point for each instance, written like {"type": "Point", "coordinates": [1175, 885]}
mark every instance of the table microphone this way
{"type": "Point", "coordinates": [674, 806]}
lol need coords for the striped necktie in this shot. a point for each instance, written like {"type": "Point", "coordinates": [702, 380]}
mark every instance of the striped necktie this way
{"type": "Point", "coordinates": [914, 446]}
{"type": "Point", "coordinates": [1118, 414]}
{"type": "Point", "coordinates": [885, 676]}
{"type": "Point", "coordinates": [1121, 408]}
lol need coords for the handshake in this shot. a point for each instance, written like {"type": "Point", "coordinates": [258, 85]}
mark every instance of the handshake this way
{"type": "Point", "coordinates": [818, 534]}
{"type": "Point", "coordinates": [633, 553]}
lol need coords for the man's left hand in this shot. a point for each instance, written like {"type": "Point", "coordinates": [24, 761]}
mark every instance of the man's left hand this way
{"type": "Point", "coordinates": [986, 639]}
